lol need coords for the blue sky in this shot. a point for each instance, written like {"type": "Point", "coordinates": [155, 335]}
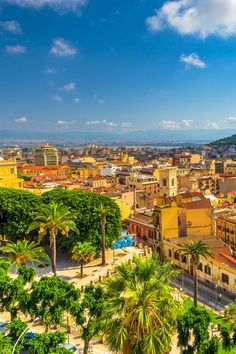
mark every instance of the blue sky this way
{"type": "Point", "coordinates": [117, 66]}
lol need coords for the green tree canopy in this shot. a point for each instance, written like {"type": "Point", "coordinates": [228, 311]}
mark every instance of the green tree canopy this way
{"type": "Point", "coordinates": [83, 253]}
{"type": "Point", "coordinates": [140, 313]}
{"type": "Point", "coordinates": [52, 298]}
{"type": "Point", "coordinates": [84, 206]}
{"type": "Point", "coordinates": [54, 219]}
{"type": "Point", "coordinates": [194, 322]}
{"type": "Point", "coordinates": [48, 343]}
{"type": "Point", "coordinates": [6, 345]}
{"type": "Point", "coordinates": [16, 212]}
{"type": "Point", "coordinates": [93, 304]}
{"type": "Point", "coordinates": [24, 251]}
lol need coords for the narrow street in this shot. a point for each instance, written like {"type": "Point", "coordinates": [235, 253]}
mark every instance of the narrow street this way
{"type": "Point", "coordinates": [208, 294]}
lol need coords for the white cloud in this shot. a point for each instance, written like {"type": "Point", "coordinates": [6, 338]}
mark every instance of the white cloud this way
{"type": "Point", "coordinates": [21, 120]}
{"type": "Point", "coordinates": [187, 122]}
{"type": "Point", "coordinates": [65, 123]}
{"type": "Point", "coordinates": [69, 87]}
{"type": "Point", "coordinates": [15, 49]}
{"type": "Point", "coordinates": [231, 119]}
{"type": "Point", "coordinates": [212, 125]}
{"type": "Point", "coordinates": [11, 26]}
{"type": "Point", "coordinates": [50, 70]}
{"type": "Point", "coordinates": [63, 48]}
{"type": "Point", "coordinates": [93, 122]}
{"type": "Point", "coordinates": [127, 125]}
{"type": "Point", "coordinates": [196, 17]}
{"type": "Point", "coordinates": [77, 99]}
{"type": "Point", "coordinates": [171, 124]}
{"type": "Point", "coordinates": [57, 98]}
{"type": "Point", "coordinates": [61, 6]}
{"type": "Point", "coordinates": [98, 99]}
{"type": "Point", "coordinates": [103, 122]}
{"type": "Point", "coordinates": [193, 60]}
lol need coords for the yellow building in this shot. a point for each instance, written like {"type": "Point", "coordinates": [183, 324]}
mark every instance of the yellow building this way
{"type": "Point", "coordinates": [196, 159]}
{"type": "Point", "coordinates": [219, 269]}
{"type": "Point", "coordinates": [231, 197]}
{"type": "Point", "coordinates": [125, 208]}
{"type": "Point", "coordinates": [46, 156]}
{"type": "Point", "coordinates": [168, 181]}
{"type": "Point", "coordinates": [230, 168]}
{"type": "Point", "coordinates": [88, 159]}
{"type": "Point", "coordinates": [226, 228]}
{"type": "Point", "coordinates": [8, 174]}
{"type": "Point", "coordinates": [188, 214]}
{"type": "Point", "coordinates": [84, 172]}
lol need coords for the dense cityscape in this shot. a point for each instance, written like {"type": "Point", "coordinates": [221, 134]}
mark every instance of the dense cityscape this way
{"type": "Point", "coordinates": [117, 177]}
{"type": "Point", "coordinates": [173, 205]}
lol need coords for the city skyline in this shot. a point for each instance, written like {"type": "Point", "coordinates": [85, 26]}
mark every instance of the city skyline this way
{"type": "Point", "coordinates": [117, 67]}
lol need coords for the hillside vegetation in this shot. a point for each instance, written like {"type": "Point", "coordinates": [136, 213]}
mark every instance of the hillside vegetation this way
{"type": "Point", "coordinates": [230, 140]}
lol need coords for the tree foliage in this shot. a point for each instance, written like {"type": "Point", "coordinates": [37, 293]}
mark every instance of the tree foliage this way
{"type": "Point", "coordinates": [194, 322]}
{"type": "Point", "coordinates": [48, 343]}
{"type": "Point", "coordinates": [140, 312]}
{"type": "Point", "coordinates": [13, 291]}
{"type": "Point", "coordinates": [16, 212]}
{"type": "Point", "coordinates": [193, 251]}
{"type": "Point", "coordinates": [23, 251]}
{"type": "Point", "coordinates": [83, 253]}
{"type": "Point", "coordinates": [84, 206]}
{"type": "Point", "coordinates": [225, 335]}
{"type": "Point", "coordinates": [93, 304]}
{"type": "Point", "coordinates": [52, 298]}
{"type": "Point", "coordinates": [53, 219]}
{"type": "Point", "coordinates": [6, 345]}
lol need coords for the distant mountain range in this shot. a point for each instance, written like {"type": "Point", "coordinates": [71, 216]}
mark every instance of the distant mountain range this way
{"type": "Point", "coordinates": [229, 141]}
{"type": "Point", "coordinates": [155, 136]}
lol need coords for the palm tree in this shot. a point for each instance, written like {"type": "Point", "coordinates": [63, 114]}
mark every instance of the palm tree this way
{"type": "Point", "coordinates": [24, 251]}
{"type": "Point", "coordinates": [103, 212]}
{"type": "Point", "coordinates": [140, 313]}
{"type": "Point", "coordinates": [53, 218]}
{"type": "Point", "coordinates": [193, 251]}
{"type": "Point", "coordinates": [83, 253]}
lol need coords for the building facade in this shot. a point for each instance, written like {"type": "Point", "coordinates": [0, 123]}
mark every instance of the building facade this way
{"type": "Point", "coordinates": [8, 174]}
{"type": "Point", "coordinates": [46, 156]}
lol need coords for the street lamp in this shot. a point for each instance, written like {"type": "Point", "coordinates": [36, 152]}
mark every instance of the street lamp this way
{"type": "Point", "coordinates": [21, 335]}
{"type": "Point", "coordinates": [219, 299]}
{"type": "Point", "coordinates": [113, 252]}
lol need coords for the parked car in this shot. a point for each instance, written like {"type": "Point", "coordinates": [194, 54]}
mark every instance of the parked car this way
{"type": "Point", "coordinates": [70, 347]}
{"type": "Point", "coordinates": [28, 337]}
{"type": "Point", "coordinates": [3, 328]}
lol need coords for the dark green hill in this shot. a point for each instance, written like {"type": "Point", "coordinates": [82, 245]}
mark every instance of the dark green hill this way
{"type": "Point", "coordinates": [230, 140]}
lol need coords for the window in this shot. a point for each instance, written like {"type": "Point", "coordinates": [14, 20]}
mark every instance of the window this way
{"type": "Point", "coordinates": [199, 267]}
{"type": "Point", "coordinates": [207, 269]}
{"type": "Point", "coordinates": [164, 182]}
{"type": "Point", "coordinates": [12, 170]}
{"type": "Point", "coordinates": [225, 278]}
{"type": "Point", "coordinates": [176, 255]}
{"type": "Point", "coordinates": [184, 259]}
{"type": "Point", "coordinates": [170, 253]}
{"type": "Point", "coordinates": [172, 182]}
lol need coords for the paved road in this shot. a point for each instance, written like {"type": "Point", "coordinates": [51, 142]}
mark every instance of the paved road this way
{"type": "Point", "coordinates": [207, 292]}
